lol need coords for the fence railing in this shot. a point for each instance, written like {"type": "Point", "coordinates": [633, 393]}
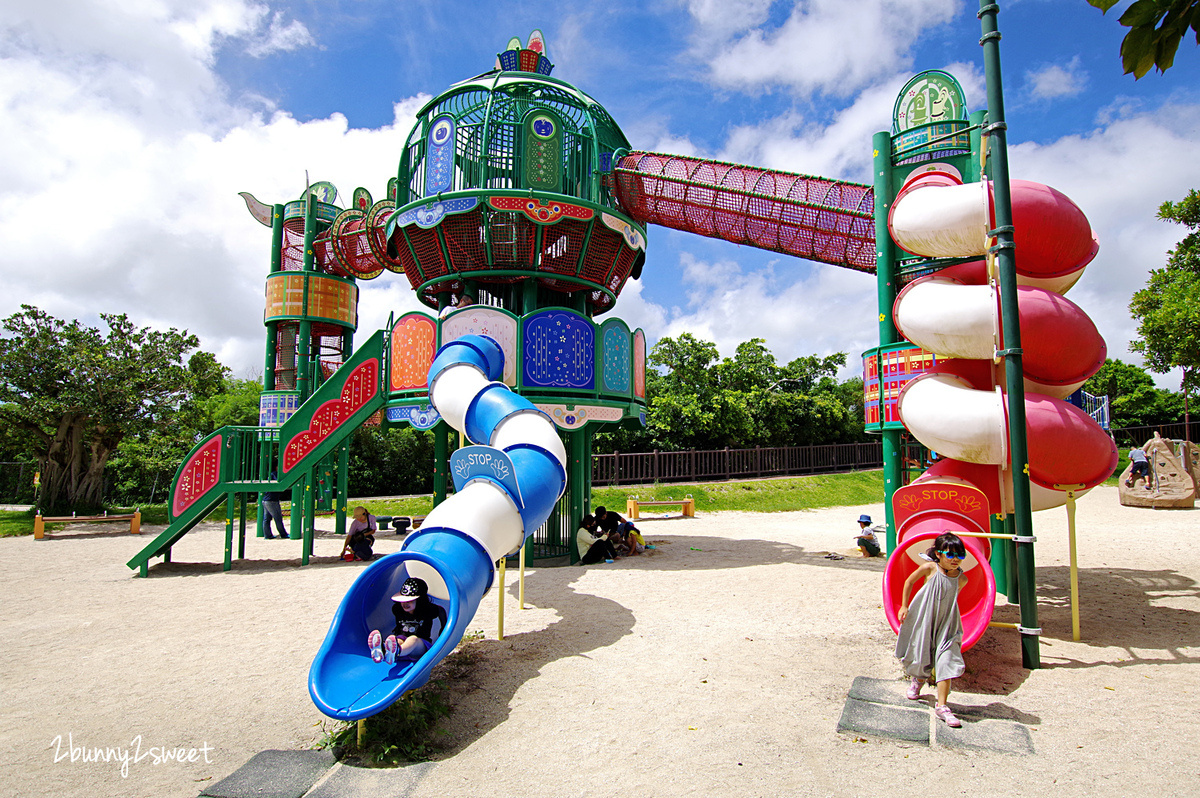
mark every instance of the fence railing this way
{"type": "Point", "coordinates": [723, 464]}
{"type": "Point", "coordinates": [1136, 436]}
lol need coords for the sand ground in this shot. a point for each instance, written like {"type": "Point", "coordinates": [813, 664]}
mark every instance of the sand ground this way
{"type": "Point", "coordinates": [716, 666]}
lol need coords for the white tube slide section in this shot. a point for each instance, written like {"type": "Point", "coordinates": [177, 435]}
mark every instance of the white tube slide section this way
{"type": "Point", "coordinates": [946, 415]}
{"type": "Point", "coordinates": [948, 318]}
{"type": "Point", "coordinates": [529, 427]}
{"type": "Point", "coordinates": [452, 391]}
{"type": "Point", "coordinates": [947, 223]}
{"type": "Point", "coordinates": [486, 513]}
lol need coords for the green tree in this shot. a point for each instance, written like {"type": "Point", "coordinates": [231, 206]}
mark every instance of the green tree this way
{"type": "Point", "coordinates": [77, 393]}
{"type": "Point", "coordinates": [1155, 29]}
{"type": "Point", "coordinates": [1168, 308]}
{"type": "Point", "coordinates": [144, 463]}
{"type": "Point", "coordinates": [1133, 399]}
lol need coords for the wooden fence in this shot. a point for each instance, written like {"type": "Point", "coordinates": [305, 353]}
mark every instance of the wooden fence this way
{"type": "Point", "coordinates": [724, 464]}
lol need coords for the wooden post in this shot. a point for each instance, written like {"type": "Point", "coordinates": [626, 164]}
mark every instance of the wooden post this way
{"type": "Point", "coordinates": [39, 527]}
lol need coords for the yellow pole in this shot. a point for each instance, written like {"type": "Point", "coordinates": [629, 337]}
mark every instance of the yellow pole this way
{"type": "Point", "coordinates": [362, 732]}
{"type": "Point", "coordinates": [521, 583]}
{"type": "Point", "coordinates": [1074, 566]}
{"type": "Point", "coordinates": [500, 623]}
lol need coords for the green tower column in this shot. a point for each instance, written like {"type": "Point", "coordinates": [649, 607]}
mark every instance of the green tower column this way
{"type": "Point", "coordinates": [885, 257]}
{"type": "Point", "coordinates": [441, 454]}
{"type": "Point", "coordinates": [1014, 373]}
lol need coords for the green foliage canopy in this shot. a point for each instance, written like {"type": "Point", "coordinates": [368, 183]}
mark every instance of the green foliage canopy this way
{"type": "Point", "coordinates": [1155, 29]}
{"type": "Point", "coordinates": [1168, 308]}
{"type": "Point", "coordinates": [75, 393]}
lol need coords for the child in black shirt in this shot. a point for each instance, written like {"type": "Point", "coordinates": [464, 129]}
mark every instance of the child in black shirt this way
{"type": "Point", "coordinates": [414, 632]}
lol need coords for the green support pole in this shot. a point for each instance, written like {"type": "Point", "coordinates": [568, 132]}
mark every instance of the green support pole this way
{"type": "Point", "coordinates": [242, 526]}
{"type": "Point", "coordinates": [230, 498]}
{"type": "Point", "coordinates": [441, 453]}
{"type": "Point", "coordinates": [885, 258]}
{"type": "Point", "coordinates": [296, 519]}
{"type": "Point", "coordinates": [579, 484]}
{"type": "Point", "coordinates": [1007, 278]}
{"type": "Point", "coordinates": [999, 556]}
{"type": "Point", "coordinates": [343, 489]}
{"type": "Point", "coordinates": [310, 500]}
{"type": "Point", "coordinates": [269, 361]}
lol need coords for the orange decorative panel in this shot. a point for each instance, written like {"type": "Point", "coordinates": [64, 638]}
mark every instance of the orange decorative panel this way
{"type": "Point", "coordinates": [414, 343]}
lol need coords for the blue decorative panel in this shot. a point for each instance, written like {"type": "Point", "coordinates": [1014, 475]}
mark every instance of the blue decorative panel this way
{"type": "Point", "coordinates": [618, 357]}
{"type": "Point", "coordinates": [430, 214]}
{"type": "Point", "coordinates": [420, 416]}
{"type": "Point", "coordinates": [276, 407]}
{"type": "Point", "coordinates": [560, 351]}
{"type": "Point", "coordinates": [439, 158]}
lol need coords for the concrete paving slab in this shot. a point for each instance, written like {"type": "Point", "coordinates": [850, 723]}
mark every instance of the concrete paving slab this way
{"type": "Point", "coordinates": [345, 781]}
{"type": "Point", "coordinates": [273, 774]}
{"type": "Point", "coordinates": [1005, 736]}
{"type": "Point", "coordinates": [878, 720]}
{"type": "Point", "coordinates": [882, 691]}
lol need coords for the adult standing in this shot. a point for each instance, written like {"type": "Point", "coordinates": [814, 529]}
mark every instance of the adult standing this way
{"type": "Point", "coordinates": [274, 512]}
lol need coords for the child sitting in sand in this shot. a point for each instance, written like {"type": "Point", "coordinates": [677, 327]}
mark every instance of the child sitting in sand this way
{"type": "Point", "coordinates": [931, 631]}
{"type": "Point", "coordinates": [415, 615]}
{"type": "Point", "coordinates": [593, 548]}
{"type": "Point", "coordinates": [868, 544]}
{"type": "Point", "coordinates": [360, 538]}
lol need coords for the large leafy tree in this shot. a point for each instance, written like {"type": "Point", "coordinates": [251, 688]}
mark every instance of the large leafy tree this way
{"type": "Point", "coordinates": [1155, 29]}
{"type": "Point", "coordinates": [1133, 399]}
{"type": "Point", "coordinates": [1168, 308]}
{"type": "Point", "coordinates": [75, 393]}
{"type": "Point", "coordinates": [144, 462]}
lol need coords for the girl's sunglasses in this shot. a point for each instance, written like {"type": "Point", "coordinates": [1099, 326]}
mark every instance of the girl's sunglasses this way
{"type": "Point", "coordinates": [952, 556]}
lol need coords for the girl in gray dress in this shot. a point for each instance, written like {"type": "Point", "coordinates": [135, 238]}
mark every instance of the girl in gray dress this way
{"type": "Point", "coordinates": [931, 630]}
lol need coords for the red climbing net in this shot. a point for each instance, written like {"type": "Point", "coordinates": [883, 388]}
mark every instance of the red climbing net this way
{"type": "Point", "coordinates": [810, 217]}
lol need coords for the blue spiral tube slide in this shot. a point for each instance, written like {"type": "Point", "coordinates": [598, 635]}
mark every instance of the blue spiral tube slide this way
{"type": "Point", "coordinates": [506, 486]}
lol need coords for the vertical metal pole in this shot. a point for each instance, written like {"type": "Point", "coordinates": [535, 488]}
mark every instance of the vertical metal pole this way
{"type": "Point", "coordinates": [1074, 565]}
{"type": "Point", "coordinates": [521, 582]}
{"type": "Point", "coordinates": [500, 600]}
{"type": "Point", "coordinates": [885, 259]}
{"type": "Point", "coordinates": [310, 515]}
{"type": "Point", "coordinates": [230, 498]}
{"type": "Point", "coordinates": [1013, 371]}
{"type": "Point", "coordinates": [343, 489]}
{"type": "Point", "coordinates": [242, 527]}
{"type": "Point", "coordinates": [441, 453]}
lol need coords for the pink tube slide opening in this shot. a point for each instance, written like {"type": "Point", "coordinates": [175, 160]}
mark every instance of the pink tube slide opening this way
{"type": "Point", "coordinates": [975, 601]}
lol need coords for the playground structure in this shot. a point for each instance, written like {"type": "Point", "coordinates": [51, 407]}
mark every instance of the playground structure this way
{"type": "Point", "coordinates": [1173, 480]}
{"type": "Point", "coordinates": [519, 212]}
{"type": "Point", "coordinates": [971, 332]}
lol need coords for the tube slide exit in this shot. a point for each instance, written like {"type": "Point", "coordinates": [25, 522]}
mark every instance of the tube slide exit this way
{"type": "Point", "coordinates": [505, 489]}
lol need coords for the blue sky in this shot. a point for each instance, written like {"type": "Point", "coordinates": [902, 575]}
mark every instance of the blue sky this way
{"type": "Point", "coordinates": [131, 126]}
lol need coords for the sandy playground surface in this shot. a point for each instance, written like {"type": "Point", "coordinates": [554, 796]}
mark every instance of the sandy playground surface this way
{"type": "Point", "coordinates": [718, 665]}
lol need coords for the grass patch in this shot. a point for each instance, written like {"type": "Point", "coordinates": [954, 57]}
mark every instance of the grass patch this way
{"type": "Point", "coordinates": [15, 523]}
{"type": "Point", "coordinates": [776, 495]}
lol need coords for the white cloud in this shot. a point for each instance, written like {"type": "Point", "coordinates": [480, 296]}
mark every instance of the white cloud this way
{"type": "Point", "coordinates": [828, 46]}
{"type": "Point", "coordinates": [115, 202]}
{"type": "Point", "coordinates": [281, 38]}
{"type": "Point", "coordinates": [1054, 81]}
{"type": "Point", "coordinates": [1119, 174]}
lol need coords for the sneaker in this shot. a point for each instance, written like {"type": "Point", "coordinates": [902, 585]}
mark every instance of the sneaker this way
{"type": "Point", "coordinates": [269, 537]}
{"type": "Point", "coordinates": [914, 689]}
{"type": "Point", "coordinates": [943, 713]}
{"type": "Point", "coordinates": [390, 647]}
{"type": "Point", "coordinates": [374, 641]}
{"type": "Point", "coordinates": [285, 537]}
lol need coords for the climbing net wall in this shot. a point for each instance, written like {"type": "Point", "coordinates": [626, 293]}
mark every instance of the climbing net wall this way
{"type": "Point", "coordinates": [815, 218]}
